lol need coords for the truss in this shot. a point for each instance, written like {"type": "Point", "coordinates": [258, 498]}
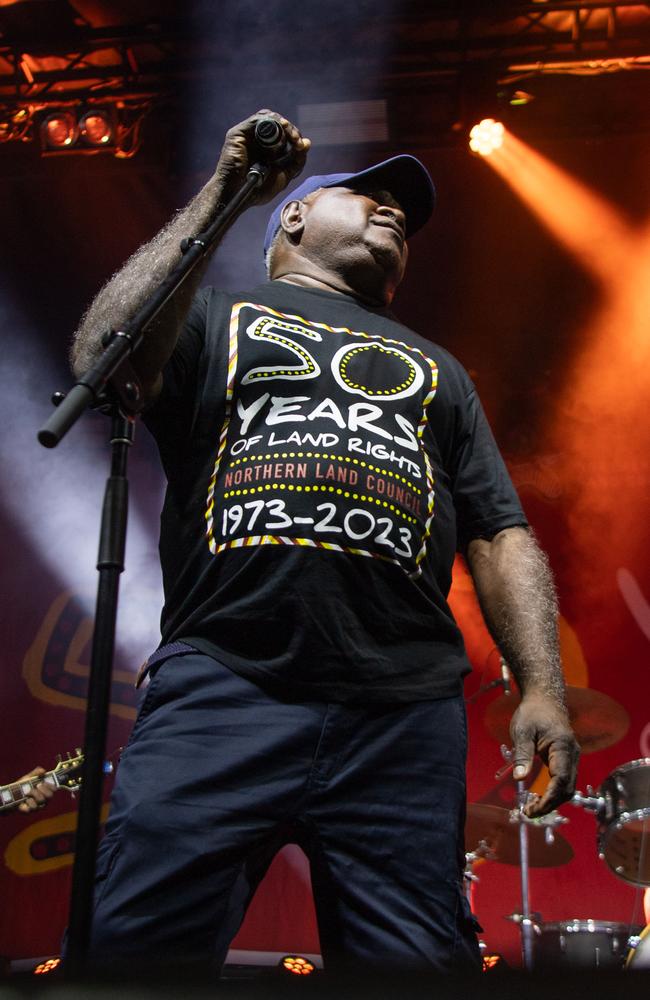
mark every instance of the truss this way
{"type": "Point", "coordinates": [136, 66]}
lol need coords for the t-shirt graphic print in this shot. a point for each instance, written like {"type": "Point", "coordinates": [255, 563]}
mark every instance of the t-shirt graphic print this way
{"type": "Point", "coordinates": [321, 442]}
{"type": "Point", "coordinates": [324, 463]}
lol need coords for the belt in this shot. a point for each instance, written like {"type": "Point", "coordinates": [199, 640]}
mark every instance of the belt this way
{"type": "Point", "coordinates": [157, 657]}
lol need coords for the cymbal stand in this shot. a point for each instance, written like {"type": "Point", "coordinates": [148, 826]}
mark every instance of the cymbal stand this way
{"type": "Point", "coordinates": [526, 924]}
{"type": "Point", "coordinates": [526, 919]}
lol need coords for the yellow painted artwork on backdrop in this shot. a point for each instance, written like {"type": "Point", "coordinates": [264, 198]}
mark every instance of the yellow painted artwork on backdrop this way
{"type": "Point", "coordinates": [44, 846]}
{"type": "Point", "coordinates": [53, 667]}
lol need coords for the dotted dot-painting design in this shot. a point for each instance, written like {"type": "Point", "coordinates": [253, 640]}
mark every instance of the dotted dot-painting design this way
{"type": "Point", "coordinates": [343, 366]}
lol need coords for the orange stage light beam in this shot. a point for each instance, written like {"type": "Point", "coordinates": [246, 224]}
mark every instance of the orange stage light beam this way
{"type": "Point", "coordinates": [598, 427]}
{"type": "Point", "coordinates": [581, 220]}
{"type": "Point", "coordinates": [612, 250]}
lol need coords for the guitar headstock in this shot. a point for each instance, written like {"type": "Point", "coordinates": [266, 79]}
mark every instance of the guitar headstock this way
{"type": "Point", "coordinates": [68, 770]}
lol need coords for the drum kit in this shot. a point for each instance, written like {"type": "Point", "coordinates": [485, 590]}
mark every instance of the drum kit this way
{"type": "Point", "coordinates": [621, 809]}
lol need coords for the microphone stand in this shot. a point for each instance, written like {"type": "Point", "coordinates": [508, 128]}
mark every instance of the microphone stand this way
{"type": "Point", "coordinates": [112, 386]}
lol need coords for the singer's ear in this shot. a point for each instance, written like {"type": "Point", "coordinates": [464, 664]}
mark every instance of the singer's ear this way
{"type": "Point", "coordinates": [292, 220]}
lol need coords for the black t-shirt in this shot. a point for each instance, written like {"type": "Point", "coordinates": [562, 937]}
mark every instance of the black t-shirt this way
{"type": "Point", "coordinates": [324, 463]}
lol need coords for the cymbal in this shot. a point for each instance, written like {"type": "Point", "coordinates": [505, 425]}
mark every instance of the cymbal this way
{"type": "Point", "coordinates": [492, 824]}
{"type": "Point", "coordinates": [598, 721]}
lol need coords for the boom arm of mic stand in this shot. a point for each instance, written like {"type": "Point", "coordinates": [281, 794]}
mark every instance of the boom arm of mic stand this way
{"type": "Point", "coordinates": [87, 389]}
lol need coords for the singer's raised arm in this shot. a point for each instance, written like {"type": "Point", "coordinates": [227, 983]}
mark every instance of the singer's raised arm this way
{"type": "Point", "coordinates": [130, 287]}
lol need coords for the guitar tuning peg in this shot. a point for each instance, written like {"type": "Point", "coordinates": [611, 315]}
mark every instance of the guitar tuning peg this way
{"type": "Point", "coordinates": [59, 758]}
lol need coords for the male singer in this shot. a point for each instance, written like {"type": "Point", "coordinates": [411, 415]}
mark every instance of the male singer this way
{"type": "Point", "coordinates": [324, 464]}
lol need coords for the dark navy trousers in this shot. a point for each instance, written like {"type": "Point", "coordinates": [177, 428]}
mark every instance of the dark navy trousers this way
{"type": "Point", "coordinates": [218, 775]}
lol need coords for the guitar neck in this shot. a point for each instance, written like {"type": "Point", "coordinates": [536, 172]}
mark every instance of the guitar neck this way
{"type": "Point", "coordinates": [12, 795]}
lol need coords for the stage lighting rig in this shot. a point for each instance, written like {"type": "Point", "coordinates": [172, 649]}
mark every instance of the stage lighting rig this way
{"type": "Point", "coordinates": [15, 124]}
{"type": "Point", "coordinates": [78, 129]}
{"type": "Point", "coordinates": [81, 128]}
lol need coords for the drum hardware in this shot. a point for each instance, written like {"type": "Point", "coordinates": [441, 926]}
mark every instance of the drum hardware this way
{"type": "Point", "coordinates": [591, 801]}
{"type": "Point", "coordinates": [526, 924]}
{"type": "Point", "coordinates": [546, 823]}
{"type": "Point", "coordinates": [621, 806]}
{"type": "Point", "coordinates": [504, 681]}
{"type": "Point", "coordinates": [525, 824]}
{"type": "Point", "coordinates": [497, 827]}
{"type": "Point", "coordinates": [585, 943]}
{"type": "Point", "coordinates": [535, 844]}
{"type": "Point", "coordinates": [518, 918]}
{"type": "Point", "coordinates": [482, 853]}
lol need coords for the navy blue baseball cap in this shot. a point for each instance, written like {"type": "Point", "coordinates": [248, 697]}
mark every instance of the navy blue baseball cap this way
{"type": "Point", "coordinates": [404, 176]}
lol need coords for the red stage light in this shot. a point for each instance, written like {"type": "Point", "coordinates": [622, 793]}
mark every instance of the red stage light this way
{"type": "Point", "coordinates": [59, 130]}
{"type": "Point", "coordinates": [96, 128]}
{"type": "Point", "coordinates": [487, 136]}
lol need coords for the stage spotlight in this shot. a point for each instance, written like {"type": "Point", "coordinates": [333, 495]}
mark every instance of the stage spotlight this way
{"type": "Point", "coordinates": [59, 130]}
{"type": "Point", "coordinates": [50, 965]}
{"type": "Point", "coordinates": [297, 965]}
{"type": "Point", "coordinates": [495, 961]}
{"type": "Point", "coordinates": [487, 136]}
{"type": "Point", "coordinates": [96, 128]}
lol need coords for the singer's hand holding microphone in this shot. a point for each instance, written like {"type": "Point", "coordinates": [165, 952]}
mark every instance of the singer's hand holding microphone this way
{"type": "Point", "coordinates": [265, 137]}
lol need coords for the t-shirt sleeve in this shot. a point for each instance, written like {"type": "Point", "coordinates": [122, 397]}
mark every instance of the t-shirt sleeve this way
{"type": "Point", "coordinates": [170, 416]}
{"type": "Point", "coordinates": [484, 497]}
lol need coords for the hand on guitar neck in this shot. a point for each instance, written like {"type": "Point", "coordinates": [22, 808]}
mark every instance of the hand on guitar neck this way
{"type": "Point", "coordinates": [40, 792]}
{"type": "Point", "coordinates": [35, 789]}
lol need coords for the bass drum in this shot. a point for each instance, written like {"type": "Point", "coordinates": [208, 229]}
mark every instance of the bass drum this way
{"type": "Point", "coordinates": [639, 956]}
{"type": "Point", "coordinates": [624, 822]}
{"type": "Point", "coordinates": [582, 944]}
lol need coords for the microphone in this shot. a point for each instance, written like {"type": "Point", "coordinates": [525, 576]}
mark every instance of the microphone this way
{"type": "Point", "coordinates": [271, 141]}
{"type": "Point", "coordinates": [505, 677]}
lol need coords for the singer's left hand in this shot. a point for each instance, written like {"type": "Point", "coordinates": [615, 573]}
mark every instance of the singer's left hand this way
{"type": "Point", "coordinates": [239, 153]}
{"type": "Point", "coordinates": [540, 725]}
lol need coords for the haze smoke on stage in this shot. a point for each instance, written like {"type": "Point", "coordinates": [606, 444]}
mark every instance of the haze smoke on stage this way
{"type": "Point", "coordinates": [54, 497]}
{"type": "Point", "coordinates": [597, 424]}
